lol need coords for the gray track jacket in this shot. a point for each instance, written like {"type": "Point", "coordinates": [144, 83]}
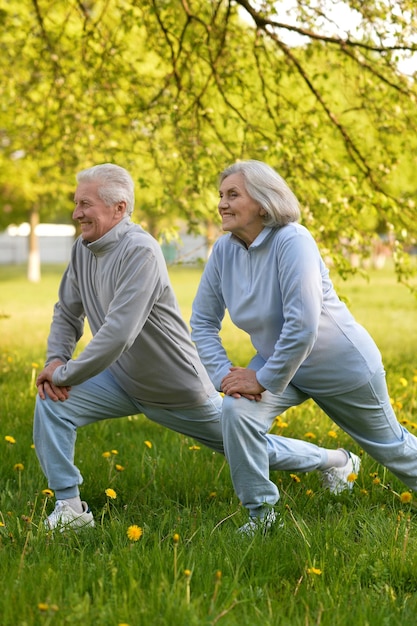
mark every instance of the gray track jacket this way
{"type": "Point", "coordinates": [120, 284]}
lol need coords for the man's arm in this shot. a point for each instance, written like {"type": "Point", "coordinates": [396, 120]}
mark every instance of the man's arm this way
{"type": "Point", "coordinates": [135, 287]}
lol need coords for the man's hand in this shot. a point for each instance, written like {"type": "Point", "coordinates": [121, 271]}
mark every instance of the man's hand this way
{"type": "Point", "coordinates": [47, 388]}
{"type": "Point", "coordinates": [241, 382]}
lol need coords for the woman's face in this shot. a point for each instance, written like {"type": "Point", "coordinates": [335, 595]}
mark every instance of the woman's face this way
{"type": "Point", "coordinates": [241, 215]}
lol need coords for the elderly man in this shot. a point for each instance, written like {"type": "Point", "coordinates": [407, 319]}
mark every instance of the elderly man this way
{"type": "Point", "coordinates": [140, 358]}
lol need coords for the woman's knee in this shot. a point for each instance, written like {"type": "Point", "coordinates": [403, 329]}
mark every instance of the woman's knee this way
{"type": "Point", "coordinates": [242, 414]}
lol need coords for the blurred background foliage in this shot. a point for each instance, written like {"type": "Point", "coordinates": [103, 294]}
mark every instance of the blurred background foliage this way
{"type": "Point", "coordinates": [175, 90]}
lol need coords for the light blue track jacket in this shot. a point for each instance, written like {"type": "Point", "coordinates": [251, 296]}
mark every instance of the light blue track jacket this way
{"type": "Point", "coordinates": [120, 283]}
{"type": "Point", "coordinates": [278, 290]}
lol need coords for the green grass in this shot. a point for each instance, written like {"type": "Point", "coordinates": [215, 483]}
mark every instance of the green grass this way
{"type": "Point", "coordinates": [350, 559]}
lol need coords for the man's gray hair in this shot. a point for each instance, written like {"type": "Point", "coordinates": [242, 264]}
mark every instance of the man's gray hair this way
{"type": "Point", "coordinates": [115, 184]}
{"type": "Point", "coordinates": [269, 189]}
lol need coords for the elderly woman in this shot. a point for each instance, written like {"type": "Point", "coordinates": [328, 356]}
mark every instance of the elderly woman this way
{"type": "Point", "coordinates": [269, 275]}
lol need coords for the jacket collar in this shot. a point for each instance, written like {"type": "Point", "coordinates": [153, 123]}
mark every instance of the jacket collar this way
{"type": "Point", "coordinates": [111, 239]}
{"type": "Point", "coordinates": [257, 243]}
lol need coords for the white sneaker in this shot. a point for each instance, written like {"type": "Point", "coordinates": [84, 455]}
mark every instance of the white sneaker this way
{"type": "Point", "coordinates": [336, 478]}
{"type": "Point", "coordinates": [64, 517]}
{"type": "Point", "coordinates": [259, 524]}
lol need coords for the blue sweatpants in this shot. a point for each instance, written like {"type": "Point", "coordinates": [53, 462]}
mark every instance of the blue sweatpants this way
{"type": "Point", "coordinates": [365, 414]}
{"type": "Point", "coordinates": [101, 397]}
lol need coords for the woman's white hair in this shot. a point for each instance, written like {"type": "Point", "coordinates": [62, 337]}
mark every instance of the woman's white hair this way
{"type": "Point", "coordinates": [115, 184]}
{"type": "Point", "coordinates": [269, 189]}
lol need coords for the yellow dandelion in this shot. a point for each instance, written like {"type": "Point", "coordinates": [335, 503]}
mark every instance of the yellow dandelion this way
{"type": "Point", "coordinates": [148, 444]}
{"type": "Point", "coordinates": [403, 381]}
{"type": "Point", "coordinates": [332, 433]}
{"type": "Point", "coordinates": [218, 574]}
{"type": "Point", "coordinates": [310, 436]}
{"type": "Point", "coordinates": [415, 378]}
{"type": "Point", "coordinates": [110, 493]}
{"type": "Point", "coordinates": [406, 497]}
{"type": "Point", "coordinates": [106, 455]}
{"type": "Point", "coordinates": [351, 477]}
{"type": "Point", "coordinates": [364, 492]}
{"type": "Point", "coordinates": [213, 494]}
{"type": "Point", "coordinates": [314, 570]}
{"type": "Point", "coordinates": [43, 606]}
{"type": "Point", "coordinates": [295, 478]}
{"type": "Point", "coordinates": [35, 365]}
{"type": "Point", "coordinates": [398, 405]}
{"type": "Point", "coordinates": [309, 492]}
{"type": "Point", "coordinates": [280, 423]}
{"type": "Point", "coordinates": [19, 467]}
{"type": "Point", "coordinates": [376, 481]}
{"type": "Point", "coordinates": [119, 468]}
{"type": "Point", "coordinates": [134, 532]}
{"type": "Point", "coordinates": [187, 574]}
{"type": "Point", "coordinates": [114, 452]}
{"type": "Point", "coordinates": [404, 421]}
{"type": "Point", "coordinates": [10, 439]}
{"type": "Point", "coordinates": [194, 448]}
{"type": "Point", "coordinates": [2, 524]}
{"type": "Point", "coordinates": [176, 538]}
{"type": "Point", "coordinates": [48, 493]}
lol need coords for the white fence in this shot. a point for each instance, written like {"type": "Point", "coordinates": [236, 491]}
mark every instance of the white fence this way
{"type": "Point", "coordinates": [55, 241]}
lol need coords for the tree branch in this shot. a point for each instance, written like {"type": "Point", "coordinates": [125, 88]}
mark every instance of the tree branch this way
{"type": "Point", "coordinates": [263, 22]}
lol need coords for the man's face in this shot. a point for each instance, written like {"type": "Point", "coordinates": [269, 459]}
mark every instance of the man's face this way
{"type": "Point", "coordinates": [94, 217]}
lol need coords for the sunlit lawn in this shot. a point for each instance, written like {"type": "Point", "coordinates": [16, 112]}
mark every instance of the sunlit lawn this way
{"type": "Point", "coordinates": [345, 560]}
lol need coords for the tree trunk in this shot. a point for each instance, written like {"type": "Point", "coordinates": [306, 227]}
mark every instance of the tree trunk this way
{"type": "Point", "coordinates": [34, 260]}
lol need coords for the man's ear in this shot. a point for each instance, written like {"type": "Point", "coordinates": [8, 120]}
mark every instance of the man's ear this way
{"type": "Point", "coordinates": [121, 208]}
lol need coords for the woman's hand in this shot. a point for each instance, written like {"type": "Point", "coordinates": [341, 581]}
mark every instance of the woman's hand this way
{"type": "Point", "coordinates": [242, 382]}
